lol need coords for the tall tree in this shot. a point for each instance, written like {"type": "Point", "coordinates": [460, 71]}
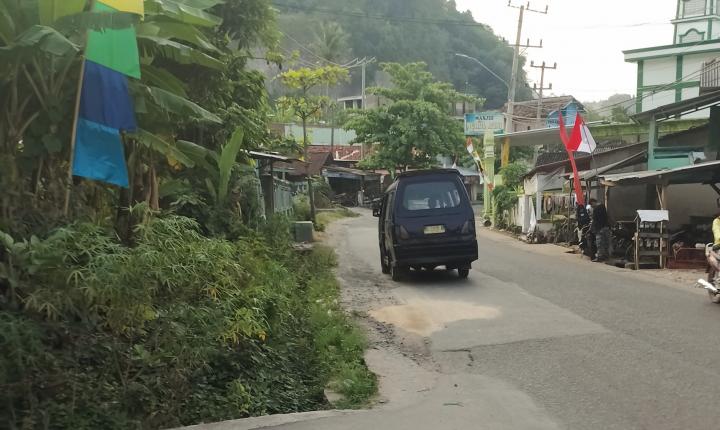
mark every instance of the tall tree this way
{"type": "Point", "coordinates": [305, 105]}
{"type": "Point", "coordinates": [415, 126]}
{"type": "Point", "coordinates": [332, 42]}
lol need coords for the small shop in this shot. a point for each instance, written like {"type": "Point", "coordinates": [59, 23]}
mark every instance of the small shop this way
{"type": "Point", "coordinates": [352, 187]}
{"type": "Point", "coordinates": [690, 198]}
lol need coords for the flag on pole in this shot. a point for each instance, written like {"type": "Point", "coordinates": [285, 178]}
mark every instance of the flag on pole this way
{"type": "Point", "coordinates": [131, 6]}
{"type": "Point", "coordinates": [116, 49]}
{"type": "Point", "coordinates": [579, 196]}
{"type": "Point", "coordinates": [106, 98]}
{"type": "Point", "coordinates": [106, 108]}
{"type": "Point", "coordinates": [99, 154]}
{"type": "Point", "coordinates": [470, 146]}
{"type": "Point", "coordinates": [581, 139]}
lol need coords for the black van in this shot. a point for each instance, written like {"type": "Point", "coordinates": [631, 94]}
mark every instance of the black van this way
{"type": "Point", "coordinates": [426, 221]}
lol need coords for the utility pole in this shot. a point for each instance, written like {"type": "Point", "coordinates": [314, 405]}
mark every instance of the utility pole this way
{"type": "Point", "coordinates": [542, 88]}
{"type": "Point", "coordinates": [505, 157]}
{"type": "Point", "coordinates": [363, 64]}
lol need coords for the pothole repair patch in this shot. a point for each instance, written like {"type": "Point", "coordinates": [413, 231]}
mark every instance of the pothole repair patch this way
{"type": "Point", "coordinates": [425, 317]}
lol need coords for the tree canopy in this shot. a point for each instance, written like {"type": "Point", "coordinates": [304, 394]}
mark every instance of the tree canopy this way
{"type": "Point", "coordinates": [414, 127]}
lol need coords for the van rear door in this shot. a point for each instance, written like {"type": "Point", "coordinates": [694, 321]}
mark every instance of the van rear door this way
{"type": "Point", "coordinates": [432, 207]}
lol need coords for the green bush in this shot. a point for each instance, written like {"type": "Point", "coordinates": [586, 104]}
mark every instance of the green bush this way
{"type": "Point", "coordinates": [176, 330]}
{"type": "Point", "coordinates": [301, 208]}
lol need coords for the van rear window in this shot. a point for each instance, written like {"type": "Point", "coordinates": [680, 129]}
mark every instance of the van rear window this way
{"type": "Point", "coordinates": [431, 195]}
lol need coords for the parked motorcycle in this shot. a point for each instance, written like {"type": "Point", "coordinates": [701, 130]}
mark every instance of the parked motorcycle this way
{"type": "Point", "coordinates": [712, 285]}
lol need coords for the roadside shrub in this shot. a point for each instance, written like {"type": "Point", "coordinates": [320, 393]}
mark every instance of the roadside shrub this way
{"type": "Point", "coordinates": [179, 329]}
{"type": "Point", "coordinates": [301, 208]}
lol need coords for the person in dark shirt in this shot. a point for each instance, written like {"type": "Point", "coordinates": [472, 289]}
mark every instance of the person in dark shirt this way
{"type": "Point", "coordinates": [585, 238]}
{"type": "Point", "coordinates": [600, 227]}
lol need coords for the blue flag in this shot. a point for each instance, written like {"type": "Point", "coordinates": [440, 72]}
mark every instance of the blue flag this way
{"type": "Point", "coordinates": [106, 99]}
{"type": "Point", "coordinates": [99, 154]}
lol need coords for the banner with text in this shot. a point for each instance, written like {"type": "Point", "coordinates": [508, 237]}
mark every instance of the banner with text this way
{"type": "Point", "coordinates": [477, 123]}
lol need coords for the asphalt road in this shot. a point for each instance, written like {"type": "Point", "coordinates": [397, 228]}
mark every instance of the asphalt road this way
{"type": "Point", "coordinates": [534, 339]}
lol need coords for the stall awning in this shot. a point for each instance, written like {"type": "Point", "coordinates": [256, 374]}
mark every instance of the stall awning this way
{"type": "Point", "coordinates": [703, 173]}
{"type": "Point", "coordinates": [269, 156]}
{"type": "Point", "coordinates": [682, 107]}
{"type": "Point", "coordinates": [347, 173]}
{"type": "Point", "coordinates": [587, 175]}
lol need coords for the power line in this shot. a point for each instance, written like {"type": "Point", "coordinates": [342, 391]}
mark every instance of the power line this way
{"type": "Point", "coordinates": [304, 48]}
{"type": "Point", "coordinates": [661, 88]}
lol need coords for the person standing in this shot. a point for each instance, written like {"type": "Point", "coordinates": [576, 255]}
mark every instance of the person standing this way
{"type": "Point", "coordinates": [600, 227]}
{"type": "Point", "coordinates": [587, 243]}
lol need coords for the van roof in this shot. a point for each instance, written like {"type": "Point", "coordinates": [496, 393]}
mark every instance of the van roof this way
{"type": "Point", "coordinates": [428, 172]}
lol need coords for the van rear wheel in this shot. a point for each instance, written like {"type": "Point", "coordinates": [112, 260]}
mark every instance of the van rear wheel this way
{"type": "Point", "coordinates": [384, 266]}
{"type": "Point", "coordinates": [463, 273]}
{"type": "Point", "coordinates": [398, 273]}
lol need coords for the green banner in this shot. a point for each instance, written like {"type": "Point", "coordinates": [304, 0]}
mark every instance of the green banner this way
{"type": "Point", "coordinates": [114, 49]}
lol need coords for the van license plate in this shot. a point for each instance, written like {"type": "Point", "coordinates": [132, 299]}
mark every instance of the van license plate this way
{"type": "Point", "coordinates": [435, 229]}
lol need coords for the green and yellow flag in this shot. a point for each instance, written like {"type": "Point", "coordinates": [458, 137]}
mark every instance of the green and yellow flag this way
{"type": "Point", "coordinates": [114, 49]}
{"type": "Point", "coordinates": [131, 6]}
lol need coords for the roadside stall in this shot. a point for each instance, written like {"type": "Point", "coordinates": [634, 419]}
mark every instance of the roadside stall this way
{"type": "Point", "coordinates": [689, 194]}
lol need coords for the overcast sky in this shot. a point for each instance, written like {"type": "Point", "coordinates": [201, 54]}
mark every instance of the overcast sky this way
{"type": "Point", "coordinates": [585, 37]}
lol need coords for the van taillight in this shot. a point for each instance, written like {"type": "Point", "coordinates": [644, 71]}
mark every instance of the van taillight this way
{"type": "Point", "coordinates": [468, 227]}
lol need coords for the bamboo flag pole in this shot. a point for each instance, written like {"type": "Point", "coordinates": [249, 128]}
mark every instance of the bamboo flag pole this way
{"type": "Point", "coordinates": [76, 115]}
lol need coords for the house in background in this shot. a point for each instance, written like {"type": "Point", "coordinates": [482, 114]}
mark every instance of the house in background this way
{"type": "Point", "coordinates": [526, 118]}
{"type": "Point", "coordinates": [686, 68]}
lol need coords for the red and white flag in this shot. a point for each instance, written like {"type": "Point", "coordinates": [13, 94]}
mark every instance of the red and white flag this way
{"type": "Point", "coordinates": [581, 140]}
{"type": "Point", "coordinates": [579, 195]}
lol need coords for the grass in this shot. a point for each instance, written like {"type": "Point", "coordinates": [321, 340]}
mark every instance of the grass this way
{"type": "Point", "coordinates": [324, 218]}
{"type": "Point", "coordinates": [340, 343]}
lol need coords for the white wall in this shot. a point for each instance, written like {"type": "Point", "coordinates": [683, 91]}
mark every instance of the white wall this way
{"type": "Point", "coordinates": [684, 27]}
{"type": "Point", "coordinates": [692, 64]}
{"type": "Point", "coordinates": [716, 28]}
{"type": "Point", "coordinates": [658, 99]}
{"type": "Point", "coordinates": [659, 71]}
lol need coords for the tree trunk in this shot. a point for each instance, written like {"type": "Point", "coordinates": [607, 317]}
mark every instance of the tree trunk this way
{"type": "Point", "coordinates": [311, 193]}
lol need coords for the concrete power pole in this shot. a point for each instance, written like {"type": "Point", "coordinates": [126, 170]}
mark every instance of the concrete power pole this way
{"type": "Point", "coordinates": [505, 157]}
{"type": "Point", "coordinates": [542, 88]}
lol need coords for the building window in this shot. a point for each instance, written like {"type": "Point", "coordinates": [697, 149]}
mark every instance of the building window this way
{"type": "Point", "coordinates": [692, 36]}
{"type": "Point", "coordinates": [693, 8]}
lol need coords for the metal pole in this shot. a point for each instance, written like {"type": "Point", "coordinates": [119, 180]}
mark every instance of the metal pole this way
{"type": "Point", "coordinates": [538, 114]}
{"type": "Point", "coordinates": [364, 65]}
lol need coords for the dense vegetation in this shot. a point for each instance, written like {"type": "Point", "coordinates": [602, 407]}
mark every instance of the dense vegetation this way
{"type": "Point", "coordinates": [176, 330]}
{"type": "Point", "coordinates": [174, 301]}
{"type": "Point", "coordinates": [402, 31]}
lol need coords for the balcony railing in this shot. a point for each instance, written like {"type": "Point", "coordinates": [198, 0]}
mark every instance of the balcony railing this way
{"type": "Point", "coordinates": [710, 76]}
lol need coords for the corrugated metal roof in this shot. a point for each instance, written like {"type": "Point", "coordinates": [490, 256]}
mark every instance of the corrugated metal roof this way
{"type": "Point", "coordinates": [678, 108]}
{"type": "Point", "coordinates": [703, 173]}
{"type": "Point", "coordinates": [593, 173]}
